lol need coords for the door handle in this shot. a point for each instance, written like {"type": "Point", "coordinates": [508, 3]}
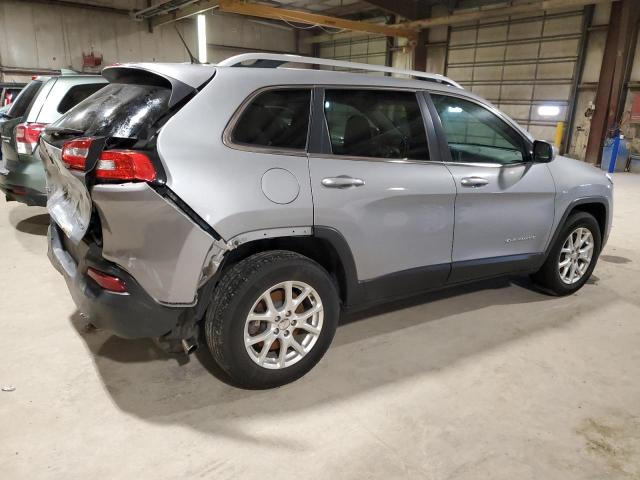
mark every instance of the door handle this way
{"type": "Point", "coordinates": [474, 182]}
{"type": "Point", "coordinates": [342, 181]}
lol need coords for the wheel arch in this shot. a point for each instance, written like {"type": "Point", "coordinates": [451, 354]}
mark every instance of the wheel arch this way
{"type": "Point", "coordinates": [596, 206]}
{"type": "Point", "coordinates": [325, 245]}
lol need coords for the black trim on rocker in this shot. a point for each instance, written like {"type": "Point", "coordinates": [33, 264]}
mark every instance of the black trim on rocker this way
{"type": "Point", "coordinates": [387, 287]}
{"type": "Point", "coordinates": [481, 268]}
{"type": "Point", "coordinates": [405, 283]}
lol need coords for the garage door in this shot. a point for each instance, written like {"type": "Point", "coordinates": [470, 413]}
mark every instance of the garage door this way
{"type": "Point", "coordinates": [369, 49]}
{"type": "Point", "coordinates": [523, 65]}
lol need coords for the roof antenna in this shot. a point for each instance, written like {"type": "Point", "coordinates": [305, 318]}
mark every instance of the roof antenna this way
{"type": "Point", "coordinates": [193, 59]}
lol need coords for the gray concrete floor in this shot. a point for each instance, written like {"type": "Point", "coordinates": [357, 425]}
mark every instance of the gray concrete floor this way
{"type": "Point", "coordinates": [488, 381]}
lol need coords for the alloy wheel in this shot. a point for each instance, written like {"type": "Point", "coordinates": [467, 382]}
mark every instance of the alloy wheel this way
{"type": "Point", "coordinates": [575, 255]}
{"type": "Point", "coordinates": [283, 324]}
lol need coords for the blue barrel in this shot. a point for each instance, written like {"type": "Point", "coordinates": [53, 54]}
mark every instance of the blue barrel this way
{"type": "Point", "coordinates": [621, 158]}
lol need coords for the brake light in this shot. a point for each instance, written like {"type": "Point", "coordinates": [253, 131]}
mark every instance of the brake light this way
{"type": "Point", "coordinates": [75, 152]}
{"type": "Point", "coordinates": [126, 165]}
{"type": "Point", "coordinates": [27, 135]}
{"type": "Point", "coordinates": [108, 282]}
{"type": "Point", "coordinates": [121, 165]}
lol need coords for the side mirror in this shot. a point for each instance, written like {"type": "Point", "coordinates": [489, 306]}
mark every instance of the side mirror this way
{"type": "Point", "coordinates": [543, 152]}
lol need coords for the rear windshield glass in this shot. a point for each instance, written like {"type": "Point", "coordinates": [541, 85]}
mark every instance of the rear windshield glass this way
{"type": "Point", "coordinates": [118, 110]}
{"type": "Point", "coordinates": [76, 94]}
{"type": "Point", "coordinates": [21, 104]}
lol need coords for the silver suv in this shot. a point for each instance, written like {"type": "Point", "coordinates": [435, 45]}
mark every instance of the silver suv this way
{"type": "Point", "coordinates": [253, 203]}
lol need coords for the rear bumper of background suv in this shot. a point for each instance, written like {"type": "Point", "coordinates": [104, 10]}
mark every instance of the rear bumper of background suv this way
{"type": "Point", "coordinates": [134, 314]}
{"type": "Point", "coordinates": [24, 181]}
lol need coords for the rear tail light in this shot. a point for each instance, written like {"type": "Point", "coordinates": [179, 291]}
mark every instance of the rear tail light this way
{"type": "Point", "coordinates": [126, 165]}
{"type": "Point", "coordinates": [27, 135]}
{"type": "Point", "coordinates": [120, 165]}
{"type": "Point", "coordinates": [75, 152]}
{"type": "Point", "coordinates": [107, 282]}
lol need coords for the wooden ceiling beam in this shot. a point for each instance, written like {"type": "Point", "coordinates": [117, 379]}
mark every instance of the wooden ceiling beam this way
{"type": "Point", "coordinates": [282, 14]}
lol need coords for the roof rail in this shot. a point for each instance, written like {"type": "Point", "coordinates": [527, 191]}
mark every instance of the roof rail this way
{"type": "Point", "coordinates": [274, 60]}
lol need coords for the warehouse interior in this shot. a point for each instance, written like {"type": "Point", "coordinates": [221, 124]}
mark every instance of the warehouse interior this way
{"type": "Point", "coordinates": [487, 380]}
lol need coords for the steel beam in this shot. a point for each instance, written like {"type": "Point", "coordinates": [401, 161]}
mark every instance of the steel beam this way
{"type": "Point", "coordinates": [87, 6]}
{"type": "Point", "coordinates": [610, 95]}
{"type": "Point", "coordinates": [524, 8]}
{"type": "Point", "coordinates": [409, 10]}
{"type": "Point", "coordinates": [192, 9]}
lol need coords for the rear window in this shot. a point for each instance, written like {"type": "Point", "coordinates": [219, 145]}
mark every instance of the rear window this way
{"type": "Point", "coordinates": [21, 104]}
{"type": "Point", "coordinates": [276, 119]}
{"type": "Point", "coordinates": [76, 94]}
{"type": "Point", "coordinates": [118, 110]}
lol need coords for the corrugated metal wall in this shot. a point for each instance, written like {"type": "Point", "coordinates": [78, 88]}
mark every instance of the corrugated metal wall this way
{"type": "Point", "coordinates": [520, 64]}
{"type": "Point", "coordinates": [370, 49]}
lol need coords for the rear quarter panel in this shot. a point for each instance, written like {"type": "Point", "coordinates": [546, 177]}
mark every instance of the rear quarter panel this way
{"type": "Point", "coordinates": [222, 184]}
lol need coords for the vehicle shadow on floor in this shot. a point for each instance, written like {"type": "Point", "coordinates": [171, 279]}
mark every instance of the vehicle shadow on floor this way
{"type": "Point", "coordinates": [29, 220]}
{"type": "Point", "coordinates": [398, 342]}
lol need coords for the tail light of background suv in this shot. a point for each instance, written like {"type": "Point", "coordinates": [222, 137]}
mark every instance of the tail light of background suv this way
{"type": "Point", "coordinates": [27, 135]}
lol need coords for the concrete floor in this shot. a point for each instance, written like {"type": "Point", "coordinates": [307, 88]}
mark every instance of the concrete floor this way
{"type": "Point", "coordinates": [487, 381]}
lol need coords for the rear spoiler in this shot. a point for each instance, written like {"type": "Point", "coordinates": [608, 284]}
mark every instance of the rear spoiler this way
{"type": "Point", "coordinates": [182, 79]}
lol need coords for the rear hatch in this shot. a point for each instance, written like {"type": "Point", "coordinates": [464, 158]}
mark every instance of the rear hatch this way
{"type": "Point", "coordinates": [110, 137]}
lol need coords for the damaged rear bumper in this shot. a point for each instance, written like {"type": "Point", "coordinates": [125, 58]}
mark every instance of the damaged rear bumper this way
{"type": "Point", "coordinates": [134, 314]}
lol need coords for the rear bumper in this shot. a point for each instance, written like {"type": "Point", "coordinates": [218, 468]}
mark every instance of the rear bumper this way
{"type": "Point", "coordinates": [130, 315]}
{"type": "Point", "coordinates": [24, 181]}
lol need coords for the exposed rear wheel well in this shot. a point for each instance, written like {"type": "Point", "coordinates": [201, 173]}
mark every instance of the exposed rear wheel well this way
{"type": "Point", "coordinates": [598, 211]}
{"type": "Point", "coordinates": [317, 249]}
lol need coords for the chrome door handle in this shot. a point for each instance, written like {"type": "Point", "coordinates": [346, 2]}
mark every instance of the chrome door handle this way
{"type": "Point", "coordinates": [474, 182]}
{"type": "Point", "coordinates": [342, 182]}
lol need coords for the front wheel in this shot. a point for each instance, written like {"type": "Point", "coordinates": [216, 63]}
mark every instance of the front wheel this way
{"type": "Point", "coordinates": [272, 318]}
{"type": "Point", "coordinates": [573, 256]}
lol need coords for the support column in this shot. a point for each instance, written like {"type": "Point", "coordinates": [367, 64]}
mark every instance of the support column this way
{"type": "Point", "coordinates": [611, 93]}
{"type": "Point", "coordinates": [420, 51]}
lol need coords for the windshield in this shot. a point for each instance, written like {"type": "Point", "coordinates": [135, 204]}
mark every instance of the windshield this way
{"type": "Point", "coordinates": [118, 110]}
{"type": "Point", "coordinates": [19, 107]}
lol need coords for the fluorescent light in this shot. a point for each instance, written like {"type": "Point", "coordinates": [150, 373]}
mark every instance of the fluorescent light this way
{"type": "Point", "coordinates": [548, 110]}
{"type": "Point", "coordinates": [454, 109]}
{"type": "Point", "coordinates": [202, 39]}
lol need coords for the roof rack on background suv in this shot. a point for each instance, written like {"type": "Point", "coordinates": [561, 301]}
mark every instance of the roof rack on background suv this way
{"type": "Point", "coordinates": [274, 60]}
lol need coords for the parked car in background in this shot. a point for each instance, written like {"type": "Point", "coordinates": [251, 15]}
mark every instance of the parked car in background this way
{"type": "Point", "coordinates": [9, 91]}
{"type": "Point", "coordinates": [255, 203]}
{"type": "Point", "coordinates": [41, 102]}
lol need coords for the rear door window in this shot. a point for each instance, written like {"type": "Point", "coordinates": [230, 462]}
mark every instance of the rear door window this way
{"type": "Point", "coordinates": [375, 123]}
{"type": "Point", "coordinates": [275, 119]}
{"type": "Point", "coordinates": [119, 110]}
{"type": "Point", "coordinates": [21, 103]}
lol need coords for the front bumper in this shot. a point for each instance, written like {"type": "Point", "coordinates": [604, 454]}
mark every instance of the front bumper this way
{"type": "Point", "coordinates": [130, 315]}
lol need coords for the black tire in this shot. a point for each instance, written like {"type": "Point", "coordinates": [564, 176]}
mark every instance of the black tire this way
{"type": "Point", "coordinates": [548, 277]}
{"type": "Point", "coordinates": [238, 290]}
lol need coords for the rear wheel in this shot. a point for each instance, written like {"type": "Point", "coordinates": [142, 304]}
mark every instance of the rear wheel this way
{"type": "Point", "coordinates": [272, 318]}
{"type": "Point", "coordinates": [573, 256]}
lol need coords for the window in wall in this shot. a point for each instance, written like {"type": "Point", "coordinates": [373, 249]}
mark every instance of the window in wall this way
{"type": "Point", "coordinates": [277, 119]}
{"type": "Point", "coordinates": [375, 123]}
{"type": "Point", "coordinates": [475, 134]}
